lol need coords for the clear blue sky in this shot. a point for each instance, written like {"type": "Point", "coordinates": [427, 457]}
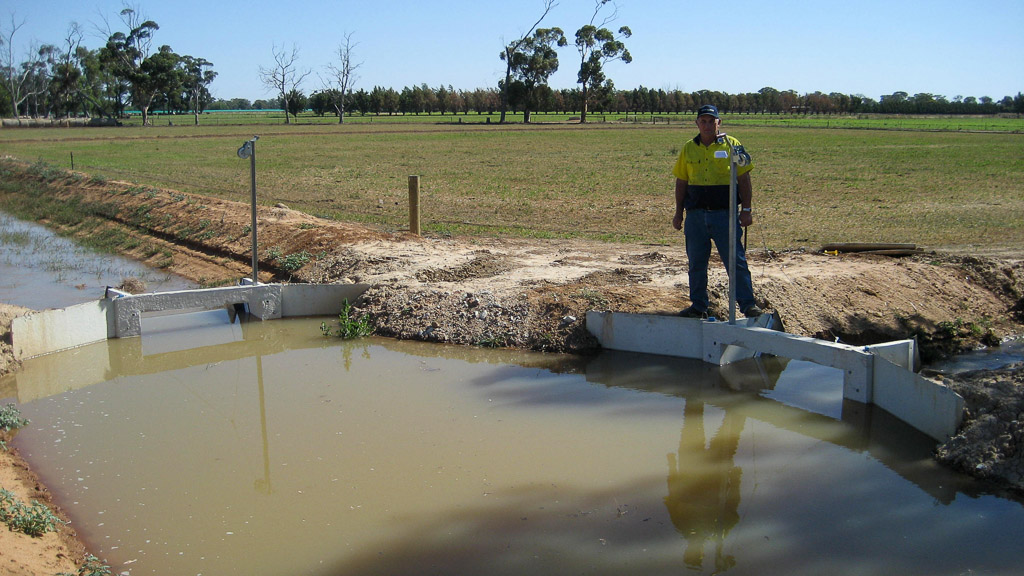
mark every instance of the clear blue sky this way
{"type": "Point", "coordinates": [869, 47]}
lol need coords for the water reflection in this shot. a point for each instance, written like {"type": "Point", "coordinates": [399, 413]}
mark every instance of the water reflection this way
{"type": "Point", "coordinates": [315, 456]}
{"type": "Point", "coordinates": [704, 494]}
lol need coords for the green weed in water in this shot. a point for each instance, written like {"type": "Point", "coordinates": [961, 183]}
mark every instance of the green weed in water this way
{"type": "Point", "coordinates": [10, 418]}
{"type": "Point", "coordinates": [490, 340]}
{"type": "Point", "coordinates": [349, 326]}
{"type": "Point", "coordinates": [15, 237]}
{"type": "Point", "coordinates": [90, 567]}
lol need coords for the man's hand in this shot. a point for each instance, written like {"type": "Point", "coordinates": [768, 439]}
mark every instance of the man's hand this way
{"type": "Point", "coordinates": [677, 221]}
{"type": "Point", "coordinates": [746, 219]}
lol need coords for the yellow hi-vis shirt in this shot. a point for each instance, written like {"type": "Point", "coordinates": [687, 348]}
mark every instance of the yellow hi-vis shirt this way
{"type": "Point", "coordinates": [707, 165]}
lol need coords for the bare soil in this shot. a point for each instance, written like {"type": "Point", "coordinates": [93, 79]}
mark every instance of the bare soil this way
{"type": "Point", "coordinates": [534, 294]}
{"type": "Point", "coordinates": [22, 555]}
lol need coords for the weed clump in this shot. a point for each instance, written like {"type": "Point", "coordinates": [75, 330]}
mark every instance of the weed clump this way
{"type": "Point", "coordinates": [349, 327]}
{"type": "Point", "coordinates": [132, 285]}
{"type": "Point", "coordinates": [91, 566]}
{"type": "Point", "coordinates": [33, 519]}
{"type": "Point", "coordinates": [10, 418]}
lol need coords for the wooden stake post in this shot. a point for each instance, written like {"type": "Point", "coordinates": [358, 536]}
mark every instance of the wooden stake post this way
{"type": "Point", "coordinates": [414, 205]}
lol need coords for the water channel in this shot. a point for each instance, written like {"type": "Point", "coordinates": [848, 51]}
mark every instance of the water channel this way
{"type": "Point", "coordinates": [211, 447]}
{"type": "Point", "coordinates": [40, 270]}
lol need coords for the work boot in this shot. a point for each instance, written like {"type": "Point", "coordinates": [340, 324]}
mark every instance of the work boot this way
{"type": "Point", "coordinates": [691, 312]}
{"type": "Point", "coordinates": [752, 311]}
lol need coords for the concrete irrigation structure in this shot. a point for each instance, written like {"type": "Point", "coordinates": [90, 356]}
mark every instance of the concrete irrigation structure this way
{"type": "Point", "coordinates": [119, 314]}
{"type": "Point", "coordinates": [881, 374]}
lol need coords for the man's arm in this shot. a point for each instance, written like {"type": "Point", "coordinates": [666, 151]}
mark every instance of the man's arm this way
{"type": "Point", "coordinates": [677, 220]}
{"type": "Point", "coordinates": [746, 192]}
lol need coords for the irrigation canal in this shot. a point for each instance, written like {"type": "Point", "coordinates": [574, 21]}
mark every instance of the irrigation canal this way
{"type": "Point", "coordinates": [264, 448]}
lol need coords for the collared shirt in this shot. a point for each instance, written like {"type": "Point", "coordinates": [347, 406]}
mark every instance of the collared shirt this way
{"type": "Point", "coordinates": [706, 170]}
{"type": "Point", "coordinates": [707, 165]}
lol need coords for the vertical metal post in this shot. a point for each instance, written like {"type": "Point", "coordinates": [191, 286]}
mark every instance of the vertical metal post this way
{"type": "Point", "coordinates": [255, 245]}
{"type": "Point", "coordinates": [732, 234]}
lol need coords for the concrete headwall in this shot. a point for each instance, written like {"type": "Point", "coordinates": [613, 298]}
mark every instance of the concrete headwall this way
{"type": "Point", "coordinates": [120, 315]}
{"type": "Point", "coordinates": [882, 374]}
{"type": "Point", "coordinates": [48, 331]}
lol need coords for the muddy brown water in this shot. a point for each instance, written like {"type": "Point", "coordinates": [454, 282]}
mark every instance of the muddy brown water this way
{"type": "Point", "coordinates": [273, 450]}
{"type": "Point", "coordinates": [263, 448]}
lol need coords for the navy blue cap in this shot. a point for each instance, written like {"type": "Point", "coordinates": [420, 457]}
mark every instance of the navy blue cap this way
{"type": "Point", "coordinates": [707, 110]}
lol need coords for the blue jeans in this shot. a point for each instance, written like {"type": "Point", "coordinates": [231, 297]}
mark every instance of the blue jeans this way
{"type": "Point", "coordinates": [701, 228]}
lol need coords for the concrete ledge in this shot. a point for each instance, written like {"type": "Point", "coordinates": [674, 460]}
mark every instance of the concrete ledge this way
{"type": "Point", "coordinates": [49, 331]}
{"type": "Point", "coordinates": [317, 299]}
{"type": "Point", "coordinates": [902, 353]}
{"type": "Point", "coordinates": [119, 315]}
{"type": "Point", "coordinates": [880, 374]}
{"type": "Point", "coordinates": [665, 335]}
{"type": "Point", "coordinates": [853, 361]}
{"type": "Point", "coordinates": [264, 302]}
{"type": "Point", "coordinates": [930, 407]}
{"type": "Point", "coordinates": [651, 334]}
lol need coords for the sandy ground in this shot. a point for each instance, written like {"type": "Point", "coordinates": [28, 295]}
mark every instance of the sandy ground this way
{"type": "Point", "coordinates": [22, 555]}
{"type": "Point", "coordinates": [535, 294]}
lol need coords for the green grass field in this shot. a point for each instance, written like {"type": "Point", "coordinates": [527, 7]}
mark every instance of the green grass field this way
{"type": "Point", "coordinates": [857, 122]}
{"type": "Point", "coordinates": [607, 180]}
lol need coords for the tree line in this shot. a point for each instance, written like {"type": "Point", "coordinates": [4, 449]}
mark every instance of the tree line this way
{"type": "Point", "coordinates": [424, 99]}
{"type": "Point", "coordinates": [68, 79]}
{"type": "Point", "coordinates": [127, 72]}
{"type": "Point", "coordinates": [71, 80]}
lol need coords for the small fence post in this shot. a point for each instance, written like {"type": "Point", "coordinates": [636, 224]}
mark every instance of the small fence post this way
{"type": "Point", "coordinates": [414, 205]}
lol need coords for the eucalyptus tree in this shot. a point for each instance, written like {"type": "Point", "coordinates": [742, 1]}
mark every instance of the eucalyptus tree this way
{"type": "Point", "coordinates": [284, 77]}
{"type": "Point", "coordinates": [66, 74]}
{"type": "Point", "coordinates": [197, 75]}
{"type": "Point", "coordinates": [101, 92]}
{"type": "Point", "coordinates": [531, 66]}
{"type": "Point", "coordinates": [128, 55]}
{"type": "Point", "coordinates": [509, 53]}
{"type": "Point", "coordinates": [160, 79]}
{"type": "Point", "coordinates": [597, 46]}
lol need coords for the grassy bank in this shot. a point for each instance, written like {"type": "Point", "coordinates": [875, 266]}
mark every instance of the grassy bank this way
{"type": "Point", "coordinates": [606, 181]}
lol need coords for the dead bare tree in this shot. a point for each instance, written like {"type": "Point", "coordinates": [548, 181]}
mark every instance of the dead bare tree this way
{"type": "Point", "coordinates": [284, 76]}
{"type": "Point", "coordinates": [343, 75]}
{"type": "Point", "coordinates": [18, 77]}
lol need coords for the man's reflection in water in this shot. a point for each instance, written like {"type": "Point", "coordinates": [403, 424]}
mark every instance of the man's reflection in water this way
{"type": "Point", "coordinates": [704, 485]}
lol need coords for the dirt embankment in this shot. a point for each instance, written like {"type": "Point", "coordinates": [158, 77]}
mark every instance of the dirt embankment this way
{"type": "Point", "coordinates": [535, 294]}
{"type": "Point", "coordinates": [22, 555]}
{"type": "Point", "coordinates": [990, 444]}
